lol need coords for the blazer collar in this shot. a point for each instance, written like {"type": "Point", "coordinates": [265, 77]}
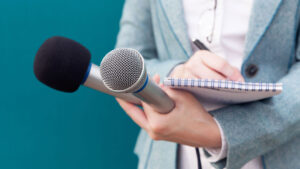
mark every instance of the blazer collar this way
{"type": "Point", "coordinates": [173, 11]}
{"type": "Point", "coordinates": [263, 12]}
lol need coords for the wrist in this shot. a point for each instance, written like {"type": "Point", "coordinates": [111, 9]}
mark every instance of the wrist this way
{"type": "Point", "coordinates": [212, 133]}
{"type": "Point", "coordinates": [215, 135]}
{"type": "Point", "coordinates": [204, 132]}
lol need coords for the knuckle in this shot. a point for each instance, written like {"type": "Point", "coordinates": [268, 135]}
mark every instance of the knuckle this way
{"type": "Point", "coordinates": [158, 129]}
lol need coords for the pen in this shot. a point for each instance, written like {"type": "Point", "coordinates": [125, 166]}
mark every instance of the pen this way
{"type": "Point", "coordinates": [200, 45]}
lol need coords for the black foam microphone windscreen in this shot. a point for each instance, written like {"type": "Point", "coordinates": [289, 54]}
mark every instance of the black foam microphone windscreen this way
{"type": "Point", "coordinates": [61, 63]}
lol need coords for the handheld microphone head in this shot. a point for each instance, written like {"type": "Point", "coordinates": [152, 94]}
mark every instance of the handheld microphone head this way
{"type": "Point", "coordinates": [123, 70]}
{"type": "Point", "coordinates": [61, 63]}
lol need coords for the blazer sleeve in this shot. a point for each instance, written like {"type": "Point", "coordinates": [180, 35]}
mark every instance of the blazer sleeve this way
{"type": "Point", "coordinates": [136, 32]}
{"type": "Point", "coordinates": [253, 129]}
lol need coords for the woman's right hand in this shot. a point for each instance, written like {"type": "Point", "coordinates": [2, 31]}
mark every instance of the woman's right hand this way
{"type": "Point", "coordinates": [206, 65]}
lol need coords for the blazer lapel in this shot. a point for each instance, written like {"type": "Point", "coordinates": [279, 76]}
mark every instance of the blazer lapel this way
{"type": "Point", "coordinates": [173, 11]}
{"type": "Point", "coordinates": [263, 12]}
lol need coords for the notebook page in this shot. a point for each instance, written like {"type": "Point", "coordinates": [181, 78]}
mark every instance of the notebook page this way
{"type": "Point", "coordinates": [214, 94]}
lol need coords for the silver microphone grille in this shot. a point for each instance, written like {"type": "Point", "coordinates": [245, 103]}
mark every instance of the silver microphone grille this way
{"type": "Point", "coordinates": [121, 68]}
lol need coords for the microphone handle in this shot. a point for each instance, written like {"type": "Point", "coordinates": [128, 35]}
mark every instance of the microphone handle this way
{"type": "Point", "coordinates": [153, 95]}
{"type": "Point", "coordinates": [94, 81]}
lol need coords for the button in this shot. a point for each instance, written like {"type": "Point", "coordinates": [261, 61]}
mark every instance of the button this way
{"type": "Point", "coordinates": [251, 70]}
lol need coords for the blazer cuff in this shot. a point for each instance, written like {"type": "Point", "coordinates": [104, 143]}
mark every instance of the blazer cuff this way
{"type": "Point", "coordinates": [217, 154]}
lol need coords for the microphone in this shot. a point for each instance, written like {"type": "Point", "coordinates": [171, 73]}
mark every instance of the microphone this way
{"type": "Point", "coordinates": [124, 71]}
{"type": "Point", "coordinates": [64, 65]}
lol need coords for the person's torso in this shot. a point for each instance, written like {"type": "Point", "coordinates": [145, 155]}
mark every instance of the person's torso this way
{"type": "Point", "coordinates": [222, 27]}
{"type": "Point", "coordinates": [272, 58]}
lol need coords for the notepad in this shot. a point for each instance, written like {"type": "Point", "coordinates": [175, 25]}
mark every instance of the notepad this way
{"type": "Point", "coordinates": [215, 94]}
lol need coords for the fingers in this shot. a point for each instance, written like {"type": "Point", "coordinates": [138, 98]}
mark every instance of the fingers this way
{"type": "Point", "coordinates": [180, 72]}
{"type": "Point", "coordinates": [204, 64]}
{"type": "Point", "coordinates": [220, 65]}
{"type": "Point", "coordinates": [135, 113]}
{"type": "Point", "coordinates": [204, 72]}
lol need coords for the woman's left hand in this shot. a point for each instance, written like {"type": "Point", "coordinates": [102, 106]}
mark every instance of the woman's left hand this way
{"type": "Point", "coordinates": [188, 123]}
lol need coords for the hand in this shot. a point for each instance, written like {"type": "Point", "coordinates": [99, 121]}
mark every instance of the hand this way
{"type": "Point", "coordinates": [206, 65]}
{"type": "Point", "coordinates": [188, 123]}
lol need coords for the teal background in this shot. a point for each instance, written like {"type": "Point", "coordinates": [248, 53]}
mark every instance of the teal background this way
{"type": "Point", "coordinates": [41, 128]}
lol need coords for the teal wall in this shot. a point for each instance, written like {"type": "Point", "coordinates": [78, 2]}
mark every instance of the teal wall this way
{"type": "Point", "coordinates": [41, 128]}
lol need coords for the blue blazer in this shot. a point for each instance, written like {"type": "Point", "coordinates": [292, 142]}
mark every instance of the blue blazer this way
{"type": "Point", "coordinates": [268, 128]}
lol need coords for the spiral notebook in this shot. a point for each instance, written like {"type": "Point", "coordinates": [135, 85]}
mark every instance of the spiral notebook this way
{"type": "Point", "coordinates": [214, 94]}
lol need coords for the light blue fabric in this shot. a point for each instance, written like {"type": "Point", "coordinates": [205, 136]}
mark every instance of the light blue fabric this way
{"type": "Point", "coordinates": [269, 128]}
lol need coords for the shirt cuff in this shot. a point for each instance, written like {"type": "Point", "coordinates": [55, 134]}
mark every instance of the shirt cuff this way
{"type": "Point", "coordinates": [218, 154]}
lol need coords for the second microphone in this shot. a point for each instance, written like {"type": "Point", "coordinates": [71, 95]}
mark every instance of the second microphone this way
{"type": "Point", "coordinates": [123, 71]}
